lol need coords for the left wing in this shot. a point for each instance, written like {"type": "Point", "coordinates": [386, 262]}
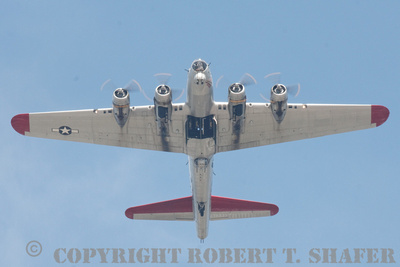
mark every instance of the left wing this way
{"type": "Point", "coordinates": [98, 126]}
{"type": "Point", "coordinates": [302, 121]}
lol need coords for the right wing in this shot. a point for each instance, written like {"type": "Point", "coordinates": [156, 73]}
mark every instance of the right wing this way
{"type": "Point", "coordinates": [98, 126]}
{"type": "Point", "coordinates": [302, 121]}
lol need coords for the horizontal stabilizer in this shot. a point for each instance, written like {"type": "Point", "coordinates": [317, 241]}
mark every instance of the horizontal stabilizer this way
{"type": "Point", "coordinates": [170, 210]}
{"type": "Point", "coordinates": [223, 208]}
{"type": "Point", "coordinates": [181, 209]}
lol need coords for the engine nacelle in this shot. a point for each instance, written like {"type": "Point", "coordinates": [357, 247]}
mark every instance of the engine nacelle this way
{"type": "Point", "coordinates": [121, 106]}
{"type": "Point", "coordinates": [237, 101]}
{"type": "Point", "coordinates": [163, 102]}
{"type": "Point", "coordinates": [163, 108]}
{"type": "Point", "coordinates": [279, 99]}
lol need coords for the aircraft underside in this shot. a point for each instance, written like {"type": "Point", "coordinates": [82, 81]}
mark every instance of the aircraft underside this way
{"type": "Point", "coordinates": [200, 128]}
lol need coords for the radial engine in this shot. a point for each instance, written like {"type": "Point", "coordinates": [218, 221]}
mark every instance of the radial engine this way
{"type": "Point", "coordinates": [279, 100]}
{"type": "Point", "coordinates": [121, 106]}
{"type": "Point", "coordinates": [163, 107]}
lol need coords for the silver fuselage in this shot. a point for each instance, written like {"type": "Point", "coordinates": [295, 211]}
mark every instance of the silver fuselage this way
{"type": "Point", "coordinates": [200, 145]}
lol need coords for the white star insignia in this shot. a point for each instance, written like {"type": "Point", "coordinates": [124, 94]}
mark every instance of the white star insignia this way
{"type": "Point", "coordinates": [65, 130]}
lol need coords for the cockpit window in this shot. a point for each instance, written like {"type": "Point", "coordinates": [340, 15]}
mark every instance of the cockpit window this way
{"type": "Point", "coordinates": [199, 65]}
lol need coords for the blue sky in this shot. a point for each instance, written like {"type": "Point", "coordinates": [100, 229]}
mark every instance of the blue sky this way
{"type": "Point", "coordinates": [333, 192]}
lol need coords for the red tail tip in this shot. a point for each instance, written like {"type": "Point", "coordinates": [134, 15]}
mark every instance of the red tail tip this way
{"type": "Point", "coordinates": [379, 114]}
{"type": "Point", "coordinates": [20, 123]}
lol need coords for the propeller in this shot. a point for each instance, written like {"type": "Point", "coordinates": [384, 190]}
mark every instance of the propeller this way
{"type": "Point", "coordinates": [246, 80]}
{"type": "Point", "coordinates": [163, 79]}
{"type": "Point", "coordinates": [131, 86]}
{"type": "Point", "coordinates": [275, 78]}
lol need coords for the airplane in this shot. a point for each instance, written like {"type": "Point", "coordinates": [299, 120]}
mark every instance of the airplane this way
{"type": "Point", "coordinates": [200, 128]}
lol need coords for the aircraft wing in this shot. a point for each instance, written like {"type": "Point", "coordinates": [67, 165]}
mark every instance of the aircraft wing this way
{"type": "Point", "coordinates": [301, 122]}
{"type": "Point", "coordinates": [99, 126]}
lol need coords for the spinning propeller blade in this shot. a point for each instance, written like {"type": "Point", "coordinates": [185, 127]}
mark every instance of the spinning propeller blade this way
{"type": "Point", "coordinates": [132, 85]}
{"type": "Point", "coordinates": [275, 78]}
{"type": "Point", "coordinates": [246, 80]}
{"type": "Point", "coordinates": [163, 78]}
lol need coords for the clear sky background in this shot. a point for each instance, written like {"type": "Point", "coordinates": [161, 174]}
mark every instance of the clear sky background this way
{"type": "Point", "coordinates": [338, 191]}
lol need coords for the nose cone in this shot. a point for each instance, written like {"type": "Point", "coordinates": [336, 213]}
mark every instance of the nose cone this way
{"type": "Point", "coordinates": [200, 76]}
{"type": "Point", "coordinates": [199, 65]}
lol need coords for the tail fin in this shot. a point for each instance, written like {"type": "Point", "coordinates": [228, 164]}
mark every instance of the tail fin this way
{"type": "Point", "coordinates": [181, 209]}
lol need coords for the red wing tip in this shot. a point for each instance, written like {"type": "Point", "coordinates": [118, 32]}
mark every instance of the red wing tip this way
{"type": "Point", "coordinates": [379, 114]}
{"type": "Point", "coordinates": [275, 210]}
{"type": "Point", "coordinates": [20, 123]}
{"type": "Point", "coordinates": [129, 213]}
